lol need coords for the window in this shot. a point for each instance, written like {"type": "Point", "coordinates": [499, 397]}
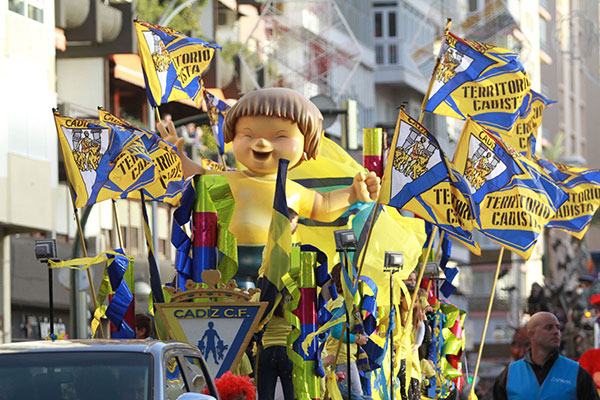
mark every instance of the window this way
{"type": "Point", "coordinates": [76, 374]}
{"type": "Point", "coordinates": [543, 34]}
{"type": "Point", "coordinates": [378, 24]}
{"type": "Point", "coordinates": [393, 54]}
{"type": "Point", "coordinates": [17, 6]}
{"type": "Point", "coordinates": [379, 54]}
{"type": "Point", "coordinates": [392, 24]}
{"type": "Point", "coordinates": [33, 9]}
{"type": "Point", "coordinates": [134, 240]}
{"type": "Point", "coordinates": [162, 248]}
{"type": "Point", "coordinates": [109, 238]}
{"type": "Point", "coordinates": [174, 383]}
{"type": "Point", "coordinates": [473, 5]}
{"type": "Point", "coordinates": [124, 237]}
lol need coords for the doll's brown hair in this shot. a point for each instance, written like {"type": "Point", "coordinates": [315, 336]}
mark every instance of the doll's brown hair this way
{"type": "Point", "coordinates": [282, 103]}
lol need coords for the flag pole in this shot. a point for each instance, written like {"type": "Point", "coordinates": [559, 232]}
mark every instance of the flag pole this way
{"type": "Point", "coordinates": [117, 225]}
{"type": "Point", "coordinates": [158, 118]}
{"type": "Point", "coordinates": [377, 204]}
{"type": "Point", "coordinates": [204, 91]}
{"type": "Point", "coordinates": [421, 273]}
{"type": "Point", "coordinates": [439, 246]}
{"type": "Point", "coordinates": [435, 69]}
{"type": "Point", "coordinates": [433, 233]}
{"type": "Point", "coordinates": [81, 237]}
{"type": "Point", "coordinates": [367, 240]}
{"type": "Point", "coordinates": [84, 250]}
{"type": "Point", "coordinates": [485, 326]}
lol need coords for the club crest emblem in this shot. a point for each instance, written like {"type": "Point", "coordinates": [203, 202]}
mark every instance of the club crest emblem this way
{"type": "Point", "coordinates": [412, 157]}
{"type": "Point", "coordinates": [448, 65]}
{"type": "Point", "coordinates": [87, 144]}
{"type": "Point", "coordinates": [479, 166]}
{"type": "Point", "coordinates": [483, 164]}
{"type": "Point", "coordinates": [160, 55]}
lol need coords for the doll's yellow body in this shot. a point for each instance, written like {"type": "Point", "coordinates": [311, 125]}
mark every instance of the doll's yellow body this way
{"type": "Point", "coordinates": [254, 204]}
{"type": "Point", "coordinates": [264, 126]}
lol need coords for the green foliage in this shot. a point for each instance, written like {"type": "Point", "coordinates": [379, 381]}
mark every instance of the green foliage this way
{"type": "Point", "coordinates": [208, 139]}
{"type": "Point", "coordinates": [211, 150]}
{"type": "Point", "coordinates": [186, 21]}
{"type": "Point", "coordinates": [230, 50]}
{"type": "Point", "coordinates": [556, 149]}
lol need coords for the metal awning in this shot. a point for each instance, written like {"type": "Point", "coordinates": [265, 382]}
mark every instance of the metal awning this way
{"type": "Point", "coordinates": [128, 68]}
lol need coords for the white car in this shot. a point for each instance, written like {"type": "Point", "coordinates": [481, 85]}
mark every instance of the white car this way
{"type": "Point", "coordinates": [104, 369]}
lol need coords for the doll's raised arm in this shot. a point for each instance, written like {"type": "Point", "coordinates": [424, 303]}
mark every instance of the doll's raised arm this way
{"type": "Point", "coordinates": [329, 206]}
{"type": "Point", "coordinates": [189, 167]}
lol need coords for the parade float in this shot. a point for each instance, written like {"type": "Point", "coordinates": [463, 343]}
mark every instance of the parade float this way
{"type": "Point", "coordinates": [231, 229]}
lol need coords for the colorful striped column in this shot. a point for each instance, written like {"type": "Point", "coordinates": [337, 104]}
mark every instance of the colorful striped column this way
{"type": "Point", "coordinates": [373, 150]}
{"type": "Point", "coordinates": [307, 314]}
{"type": "Point", "coordinates": [204, 232]}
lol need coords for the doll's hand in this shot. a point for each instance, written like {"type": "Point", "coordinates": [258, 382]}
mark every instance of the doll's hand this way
{"type": "Point", "coordinates": [366, 187]}
{"type": "Point", "coordinates": [168, 133]}
{"type": "Point", "coordinates": [189, 167]}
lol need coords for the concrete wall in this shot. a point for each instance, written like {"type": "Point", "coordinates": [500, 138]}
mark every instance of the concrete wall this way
{"type": "Point", "coordinates": [28, 148]}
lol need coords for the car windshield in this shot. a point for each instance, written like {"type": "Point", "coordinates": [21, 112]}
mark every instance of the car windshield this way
{"type": "Point", "coordinates": [76, 376]}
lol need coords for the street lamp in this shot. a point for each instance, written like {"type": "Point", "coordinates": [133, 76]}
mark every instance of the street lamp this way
{"type": "Point", "coordinates": [45, 250]}
{"type": "Point", "coordinates": [345, 241]}
{"type": "Point", "coordinates": [393, 262]}
{"type": "Point", "coordinates": [434, 272]}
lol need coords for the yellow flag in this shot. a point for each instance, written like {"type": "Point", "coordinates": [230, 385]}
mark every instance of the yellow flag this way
{"type": "Point", "coordinates": [102, 161]}
{"type": "Point", "coordinates": [172, 63]}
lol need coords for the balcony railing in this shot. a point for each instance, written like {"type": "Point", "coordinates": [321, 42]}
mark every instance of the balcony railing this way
{"type": "Point", "coordinates": [495, 17]}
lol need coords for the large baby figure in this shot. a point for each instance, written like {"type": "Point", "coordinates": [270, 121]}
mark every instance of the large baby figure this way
{"type": "Point", "coordinates": [264, 126]}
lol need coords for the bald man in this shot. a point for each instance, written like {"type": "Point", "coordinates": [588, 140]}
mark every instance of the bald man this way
{"type": "Point", "coordinates": [543, 374]}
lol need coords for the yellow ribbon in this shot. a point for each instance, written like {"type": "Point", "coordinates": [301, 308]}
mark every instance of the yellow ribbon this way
{"type": "Point", "coordinates": [96, 320]}
{"type": "Point", "coordinates": [301, 388]}
{"type": "Point", "coordinates": [332, 387]}
{"type": "Point", "coordinates": [60, 336]}
{"type": "Point", "coordinates": [322, 329]}
{"type": "Point", "coordinates": [85, 261]}
{"type": "Point", "coordinates": [104, 290]}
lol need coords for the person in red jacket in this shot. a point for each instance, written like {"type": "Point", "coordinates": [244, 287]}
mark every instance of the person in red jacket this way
{"type": "Point", "coordinates": [590, 360]}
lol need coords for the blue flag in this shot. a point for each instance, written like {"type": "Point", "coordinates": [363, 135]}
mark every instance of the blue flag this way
{"type": "Point", "coordinates": [514, 199]}
{"type": "Point", "coordinates": [479, 80]}
{"type": "Point", "coordinates": [102, 161]}
{"type": "Point", "coordinates": [583, 188]}
{"type": "Point", "coordinates": [169, 182]}
{"type": "Point", "coordinates": [420, 178]}
{"type": "Point", "coordinates": [216, 109]}
{"type": "Point", "coordinates": [523, 133]}
{"type": "Point", "coordinates": [279, 245]}
{"type": "Point", "coordinates": [172, 63]}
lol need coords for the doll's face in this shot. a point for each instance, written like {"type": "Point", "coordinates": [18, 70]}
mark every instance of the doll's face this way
{"type": "Point", "coordinates": [260, 142]}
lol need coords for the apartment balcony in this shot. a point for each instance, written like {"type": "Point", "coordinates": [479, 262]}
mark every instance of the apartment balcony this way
{"type": "Point", "coordinates": [396, 67]}
{"type": "Point", "coordinates": [497, 17]}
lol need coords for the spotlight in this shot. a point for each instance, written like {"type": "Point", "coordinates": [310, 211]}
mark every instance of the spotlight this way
{"type": "Point", "coordinates": [345, 239]}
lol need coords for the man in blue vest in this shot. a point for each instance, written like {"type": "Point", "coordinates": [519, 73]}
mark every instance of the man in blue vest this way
{"type": "Point", "coordinates": [543, 374]}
